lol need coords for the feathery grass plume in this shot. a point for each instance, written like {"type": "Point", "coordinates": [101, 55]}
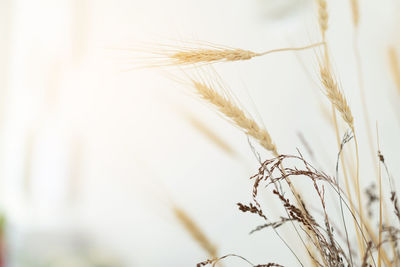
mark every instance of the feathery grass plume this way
{"type": "Point", "coordinates": [224, 102]}
{"type": "Point", "coordinates": [211, 53]}
{"type": "Point", "coordinates": [322, 17]}
{"type": "Point", "coordinates": [210, 134]}
{"type": "Point", "coordinates": [355, 12]}
{"type": "Point", "coordinates": [195, 231]}
{"type": "Point", "coordinates": [394, 66]}
{"type": "Point", "coordinates": [272, 172]}
{"type": "Point", "coordinates": [335, 96]}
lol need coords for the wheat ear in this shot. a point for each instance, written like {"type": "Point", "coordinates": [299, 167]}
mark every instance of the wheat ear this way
{"type": "Point", "coordinates": [322, 17]}
{"type": "Point", "coordinates": [217, 53]}
{"type": "Point", "coordinates": [210, 134]}
{"type": "Point", "coordinates": [193, 56]}
{"type": "Point", "coordinates": [194, 230]}
{"type": "Point", "coordinates": [335, 96]}
{"type": "Point", "coordinates": [394, 66]}
{"type": "Point", "coordinates": [355, 12]}
{"type": "Point", "coordinates": [237, 116]}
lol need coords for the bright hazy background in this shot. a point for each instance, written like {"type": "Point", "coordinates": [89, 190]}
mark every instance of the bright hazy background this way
{"type": "Point", "coordinates": [94, 149]}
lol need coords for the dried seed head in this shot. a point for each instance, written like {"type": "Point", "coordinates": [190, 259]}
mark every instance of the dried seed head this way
{"type": "Point", "coordinates": [355, 12]}
{"type": "Point", "coordinates": [206, 53]}
{"type": "Point", "coordinates": [194, 230]}
{"type": "Point", "coordinates": [394, 66]}
{"type": "Point", "coordinates": [193, 56]}
{"type": "Point", "coordinates": [335, 96]}
{"type": "Point", "coordinates": [237, 116]}
{"type": "Point", "coordinates": [211, 135]}
{"type": "Point", "coordinates": [322, 16]}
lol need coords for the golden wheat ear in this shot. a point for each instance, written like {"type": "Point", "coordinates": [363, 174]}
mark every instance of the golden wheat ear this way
{"type": "Point", "coordinates": [394, 66]}
{"type": "Point", "coordinates": [211, 89]}
{"type": "Point", "coordinates": [208, 53]}
{"type": "Point", "coordinates": [334, 94]}
{"type": "Point", "coordinates": [322, 17]}
{"type": "Point", "coordinates": [211, 135]}
{"type": "Point", "coordinates": [355, 12]}
{"type": "Point", "coordinates": [195, 231]}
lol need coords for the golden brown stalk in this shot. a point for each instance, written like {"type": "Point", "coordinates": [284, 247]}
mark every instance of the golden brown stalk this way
{"type": "Point", "coordinates": [371, 233]}
{"type": "Point", "coordinates": [322, 17]}
{"type": "Point", "coordinates": [335, 96]}
{"type": "Point", "coordinates": [211, 135]}
{"type": "Point", "coordinates": [217, 53]}
{"type": "Point", "coordinates": [194, 230]}
{"type": "Point", "coordinates": [312, 256]}
{"type": "Point", "coordinates": [394, 66]}
{"type": "Point", "coordinates": [340, 104]}
{"type": "Point", "coordinates": [237, 116]}
{"type": "Point", "coordinates": [346, 180]}
{"type": "Point", "coordinates": [395, 69]}
{"type": "Point", "coordinates": [370, 230]}
{"type": "Point", "coordinates": [355, 15]}
{"type": "Point", "coordinates": [355, 12]}
{"type": "Point", "coordinates": [380, 200]}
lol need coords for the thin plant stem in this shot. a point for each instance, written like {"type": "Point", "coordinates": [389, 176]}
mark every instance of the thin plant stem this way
{"type": "Point", "coordinates": [380, 201]}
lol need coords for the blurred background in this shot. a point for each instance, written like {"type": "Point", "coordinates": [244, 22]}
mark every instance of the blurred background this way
{"type": "Point", "coordinates": [95, 151]}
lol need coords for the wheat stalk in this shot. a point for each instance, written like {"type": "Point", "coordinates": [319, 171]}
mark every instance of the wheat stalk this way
{"type": "Point", "coordinates": [380, 199]}
{"type": "Point", "coordinates": [237, 116]}
{"type": "Point", "coordinates": [339, 102]}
